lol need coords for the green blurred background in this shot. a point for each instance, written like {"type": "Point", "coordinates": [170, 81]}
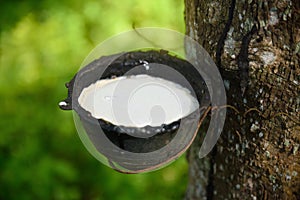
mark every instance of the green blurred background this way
{"type": "Point", "coordinates": [43, 44]}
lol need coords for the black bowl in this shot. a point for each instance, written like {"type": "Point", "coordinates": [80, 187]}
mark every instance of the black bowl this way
{"type": "Point", "coordinates": [126, 148]}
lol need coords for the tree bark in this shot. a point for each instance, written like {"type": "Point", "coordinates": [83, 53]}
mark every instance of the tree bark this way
{"type": "Point", "coordinates": [256, 46]}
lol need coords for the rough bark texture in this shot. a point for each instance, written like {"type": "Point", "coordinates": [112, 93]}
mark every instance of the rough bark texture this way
{"type": "Point", "coordinates": [256, 45]}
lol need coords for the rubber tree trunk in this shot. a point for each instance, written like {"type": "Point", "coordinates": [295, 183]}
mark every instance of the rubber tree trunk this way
{"type": "Point", "coordinates": [256, 46]}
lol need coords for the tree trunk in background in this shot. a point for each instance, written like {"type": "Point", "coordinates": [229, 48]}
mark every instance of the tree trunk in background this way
{"type": "Point", "coordinates": [256, 46]}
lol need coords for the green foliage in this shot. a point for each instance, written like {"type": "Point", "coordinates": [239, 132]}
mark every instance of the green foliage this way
{"type": "Point", "coordinates": [42, 45]}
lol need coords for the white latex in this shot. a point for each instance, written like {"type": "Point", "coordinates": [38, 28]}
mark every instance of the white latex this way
{"type": "Point", "coordinates": [137, 101]}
